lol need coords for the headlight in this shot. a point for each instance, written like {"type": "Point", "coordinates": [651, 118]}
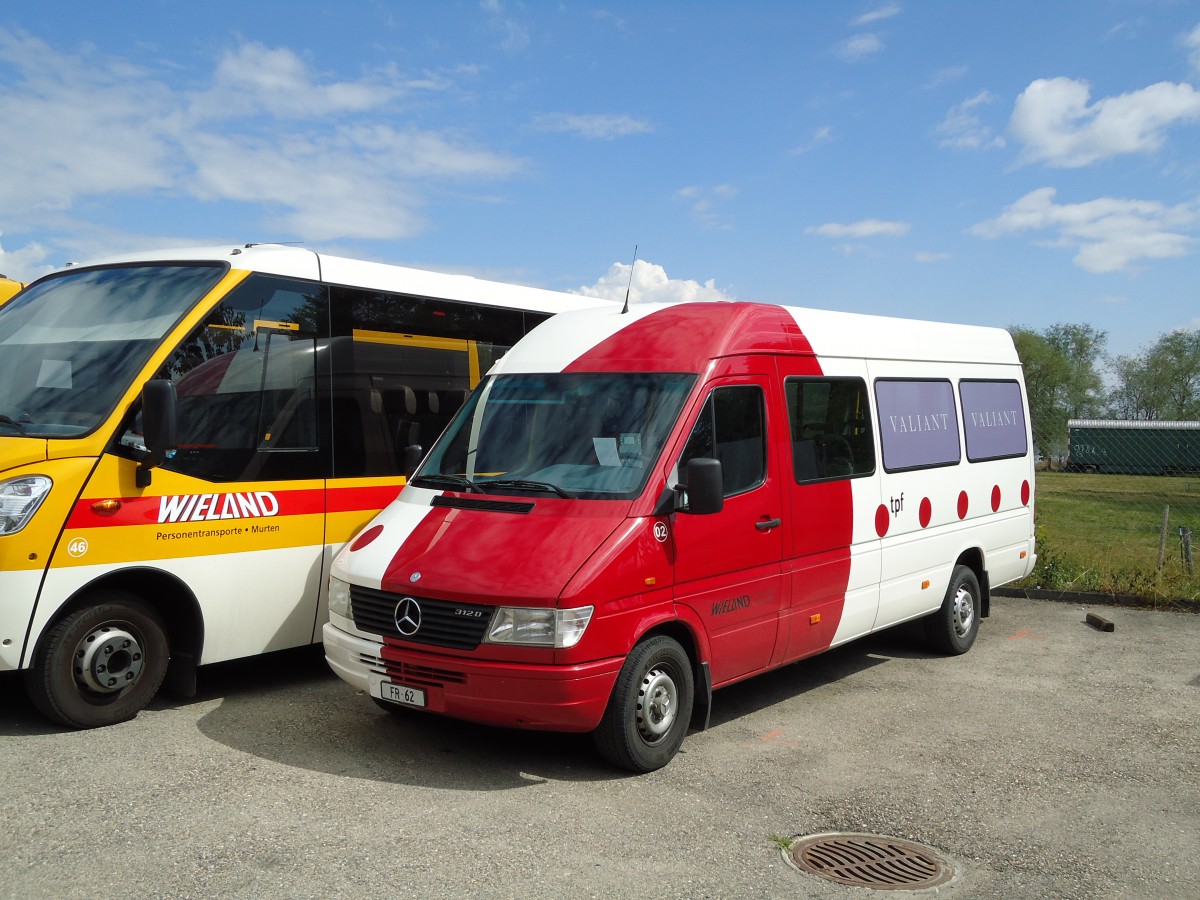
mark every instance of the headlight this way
{"type": "Point", "coordinates": [20, 499]}
{"type": "Point", "coordinates": [339, 598]}
{"type": "Point", "coordinates": [539, 627]}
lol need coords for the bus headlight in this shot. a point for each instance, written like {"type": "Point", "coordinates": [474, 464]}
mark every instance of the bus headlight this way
{"type": "Point", "coordinates": [339, 598]}
{"type": "Point", "coordinates": [539, 627]}
{"type": "Point", "coordinates": [20, 499]}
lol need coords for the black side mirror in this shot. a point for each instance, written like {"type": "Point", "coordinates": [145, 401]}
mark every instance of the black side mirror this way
{"type": "Point", "coordinates": [704, 493]}
{"type": "Point", "coordinates": [413, 455]}
{"type": "Point", "coordinates": [159, 419]}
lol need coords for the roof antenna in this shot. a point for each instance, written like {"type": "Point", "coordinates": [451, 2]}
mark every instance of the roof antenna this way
{"type": "Point", "coordinates": [625, 308]}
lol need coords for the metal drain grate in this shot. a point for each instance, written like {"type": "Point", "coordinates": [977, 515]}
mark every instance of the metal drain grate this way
{"type": "Point", "coordinates": [870, 860]}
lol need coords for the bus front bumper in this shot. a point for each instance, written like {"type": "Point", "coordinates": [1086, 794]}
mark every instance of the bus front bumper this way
{"type": "Point", "coordinates": [512, 695]}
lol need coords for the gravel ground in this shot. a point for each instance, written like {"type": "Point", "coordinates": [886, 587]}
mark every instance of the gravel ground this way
{"type": "Point", "coordinates": [1053, 760]}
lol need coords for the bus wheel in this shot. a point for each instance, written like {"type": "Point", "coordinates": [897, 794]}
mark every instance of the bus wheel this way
{"type": "Point", "coordinates": [650, 707]}
{"type": "Point", "coordinates": [952, 629]}
{"type": "Point", "coordinates": [101, 664]}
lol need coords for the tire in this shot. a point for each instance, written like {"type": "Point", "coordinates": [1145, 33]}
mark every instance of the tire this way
{"type": "Point", "coordinates": [101, 664]}
{"type": "Point", "coordinates": [651, 705]}
{"type": "Point", "coordinates": [953, 628]}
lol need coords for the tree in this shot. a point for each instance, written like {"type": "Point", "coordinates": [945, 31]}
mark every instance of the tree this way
{"type": "Point", "coordinates": [1062, 378]}
{"type": "Point", "coordinates": [1082, 394]}
{"type": "Point", "coordinates": [1161, 383]}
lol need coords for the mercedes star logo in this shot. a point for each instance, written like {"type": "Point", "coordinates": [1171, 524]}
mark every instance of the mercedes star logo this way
{"type": "Point", "coordinates": [407, 616]}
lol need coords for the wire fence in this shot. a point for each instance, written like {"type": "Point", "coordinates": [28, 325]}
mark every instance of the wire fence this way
{"type": "Point", "coordinates": [1122, 515]}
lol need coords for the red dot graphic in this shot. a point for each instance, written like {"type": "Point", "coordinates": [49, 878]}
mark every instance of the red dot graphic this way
{"type": "Point", "coordinates": [926, 512]}
{"type": "Point", "coordinates": [881, 520]}
{"type": "Point", "coordinates": [995, 498]}
{"type": "Point", "coordinates": [962, 504]}
{"type": "Point", "coordinates": [1025, 493]}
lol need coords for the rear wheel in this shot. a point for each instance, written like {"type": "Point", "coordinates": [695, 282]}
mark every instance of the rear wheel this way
{"type": "Point", "coordinates": [650, 707]}
{"type": "Point", "coordinates": [953, 628]}
{"type": "Point", "coordinates": [101, 664]}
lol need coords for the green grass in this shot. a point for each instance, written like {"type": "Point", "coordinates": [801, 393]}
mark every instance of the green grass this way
{"type": "Point", "coordinates": [1101, 533]}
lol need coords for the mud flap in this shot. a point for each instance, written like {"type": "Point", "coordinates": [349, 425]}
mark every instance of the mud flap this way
{"type": "Point", "coordinates": [702, 705]}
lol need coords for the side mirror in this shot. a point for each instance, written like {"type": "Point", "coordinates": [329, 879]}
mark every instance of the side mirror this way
{"type": "Point", "coordinates": [704, 493]}
{"type": "Point", "coordinates": [413, 455]}
{"type": "Point", "coordinates": [159, 418]}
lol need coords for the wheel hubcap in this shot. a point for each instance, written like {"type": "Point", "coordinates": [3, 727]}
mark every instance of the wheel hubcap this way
{"type": "Point", "coordinates": [108, 660]}
{"type": "Point", "coordinates": [657, 705]}
{"type": "Point", "coordinates": [964, 611]}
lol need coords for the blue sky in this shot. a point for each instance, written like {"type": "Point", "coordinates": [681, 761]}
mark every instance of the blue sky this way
{"type": "Point", "coordinates": [988, 162]}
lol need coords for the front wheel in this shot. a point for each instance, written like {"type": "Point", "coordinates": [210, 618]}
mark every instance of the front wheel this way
{"type": "Point", "coordinates": [650, 707]}
{"type": "Point", "coordinates": [953, 628]}
{"type": "Point", "coordinates": [101, 664]}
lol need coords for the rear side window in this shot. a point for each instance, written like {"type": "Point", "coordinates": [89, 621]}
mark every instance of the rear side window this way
{"type": "Point", "coordinates": [993, 419]}
{"type": "Point", "coordinates": [918, 423]}
{"type": "Point", "coordinates": [830, 426]}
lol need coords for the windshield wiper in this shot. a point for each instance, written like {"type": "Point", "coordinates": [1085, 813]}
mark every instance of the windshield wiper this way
{"type": "Point", "coordinates": [456, 480]}
{"type": "Point", "coordinates": [13, 423]}
{"type": "Point", "coordinates": [530, 485]}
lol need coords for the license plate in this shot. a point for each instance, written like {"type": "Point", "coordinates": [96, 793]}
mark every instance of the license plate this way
{"type": "Point", "coordinates": [396, 693]}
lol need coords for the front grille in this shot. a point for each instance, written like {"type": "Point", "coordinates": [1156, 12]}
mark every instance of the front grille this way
{"type": "Point", "coordinates": [415, 676]}
{"type": "Point", "coordinates": [460, 626]}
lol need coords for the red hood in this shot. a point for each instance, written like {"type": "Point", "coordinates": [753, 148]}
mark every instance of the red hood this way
{"type": "Point", "coordinates": [494, 557]}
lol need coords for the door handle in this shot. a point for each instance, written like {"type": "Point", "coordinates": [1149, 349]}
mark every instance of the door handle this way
{"type": "Point", "coordinates": [768, 524]}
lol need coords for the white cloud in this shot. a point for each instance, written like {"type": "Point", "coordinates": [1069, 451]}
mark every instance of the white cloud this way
{"type": "Point", "coordinates": [946, 76]}
{"type": "Point", "coordinates": [1108, 234]}
{"type": "Point", "coordinates": [24, 264]}
{"type": "Point", "coordinates": [863, 229]}
{"type": "Point", "coordinates": [706, 203]}
{"type": "Point", "coordinates": [323, 158]}
{"type": "Point", "coordinates": [1191, 41]}
{"type": "Point", "coordinates": [593, 127]}
{"type": "Point", "coordinates": [962, 128]}
{"type": "Point", "coordinates": [887, 11]}
{"type": "Point", "coordinates": [650, 284]}
{"type": "Point", "coordinates": [927, 257]}
{"type": "Point", "coordinates": [858, 47]}
{"type": "Point", "coordinates": [253, 79]}
{"type": "Point", "coordinates": [822, 135]}
{"type": "Point", "coordinates": [1059, 127]}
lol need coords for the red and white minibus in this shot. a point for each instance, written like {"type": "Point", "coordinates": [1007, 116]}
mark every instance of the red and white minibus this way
{"type": "Point", "coordinates": [637, 507]}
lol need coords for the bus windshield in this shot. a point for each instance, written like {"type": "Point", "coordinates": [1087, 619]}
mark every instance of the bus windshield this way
{"type": "Point", "coordinates": [70, 344]}
{"type": "Point", "coordinates": [590, 435]}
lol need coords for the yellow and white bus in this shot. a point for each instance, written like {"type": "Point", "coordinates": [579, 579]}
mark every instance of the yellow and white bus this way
{"type": "Point", "coordinates": [188, 437]}
{"type": "Point", "coordinates": [8, 288]}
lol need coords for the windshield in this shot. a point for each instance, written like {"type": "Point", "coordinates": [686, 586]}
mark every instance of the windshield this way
{"type": "Point", "coordinates": [70, 345]}
{"type": "Point", "coordinates": [593, 434]}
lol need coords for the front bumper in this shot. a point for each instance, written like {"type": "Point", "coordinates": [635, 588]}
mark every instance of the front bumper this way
{"type": "Point", "coordinates": [513, 695]}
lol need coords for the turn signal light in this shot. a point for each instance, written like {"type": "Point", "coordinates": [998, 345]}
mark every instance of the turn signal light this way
{"type": "Point", "coordinates": [106, 507]}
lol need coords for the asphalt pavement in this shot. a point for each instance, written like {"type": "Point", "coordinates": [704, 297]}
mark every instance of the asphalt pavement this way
{"type": "Point", "coordinates": [1053, 760]}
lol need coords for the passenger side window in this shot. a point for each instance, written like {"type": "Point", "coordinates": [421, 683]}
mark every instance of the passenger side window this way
{"type": "Point", "coordinates": [246, 382]}
{"type": "Point", "coordinates": [830, 428]}
{"type": "Point", "coordinates": [732, 429]}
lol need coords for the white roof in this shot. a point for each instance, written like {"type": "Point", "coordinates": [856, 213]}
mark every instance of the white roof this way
{"type": "Point", "coordinates": [300, 262]}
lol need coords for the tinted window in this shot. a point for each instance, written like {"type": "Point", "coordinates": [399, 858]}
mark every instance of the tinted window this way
{"type": "Point", "coordinates": [247, 384]}
{"type": "Point", "coordinates": [732, 428]}
{"type": "Point", "coordinates": [403, 366]}
{"type": "Point", "coordinates": [918, 423]}
{"type": "Point", "coordinates": [993, 419]}
{"type": "Point", "coordinates": [830, 428]}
